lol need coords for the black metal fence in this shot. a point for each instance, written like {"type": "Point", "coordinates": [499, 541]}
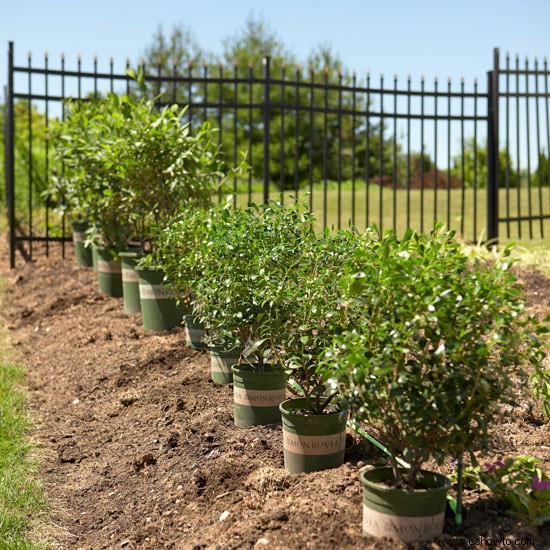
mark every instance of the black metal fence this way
{"type": "Point", "coordinates": [363, 150]}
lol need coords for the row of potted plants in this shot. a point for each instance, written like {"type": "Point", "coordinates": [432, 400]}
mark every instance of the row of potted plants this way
{"type": "Point", "coordinates": [406, 334]}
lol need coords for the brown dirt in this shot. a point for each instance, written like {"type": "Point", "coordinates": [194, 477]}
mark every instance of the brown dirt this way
{"type": "Point", "coordinates": [139, 449]}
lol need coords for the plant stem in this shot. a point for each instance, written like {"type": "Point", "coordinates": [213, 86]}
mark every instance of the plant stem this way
{"type": "Point", "coordinates": [458, 512]}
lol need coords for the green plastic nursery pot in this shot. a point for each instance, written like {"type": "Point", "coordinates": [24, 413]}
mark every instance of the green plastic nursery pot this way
{"type": "Point", "coordinates": [109, 272]}
{"type": "Point", "coordinates": [221, 361]}
{"type": "Point", "coordinates": [194, 332]}
{"type": "Point", "coordinates": [130, 282]}
{"type": "Point", "coordinates": [312, 442]}
{"type": "Point", "coordinates": [83, 253]}
{"type": "Point", "coordinates": [94, 256]}
{"type": "Point", "coordinates": [257, 395]}
{"type": "Point", "coordinates": [414, 515]}
{"type": "Point", "coordinates": [160, 309]}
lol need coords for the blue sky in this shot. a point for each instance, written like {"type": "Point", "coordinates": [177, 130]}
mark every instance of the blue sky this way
{"type": "Point", "coordinates": [420, 37]}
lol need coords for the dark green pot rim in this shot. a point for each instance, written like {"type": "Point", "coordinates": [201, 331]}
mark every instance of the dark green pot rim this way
{"type": "Point", "coordinates": [130, 254]}
{"type": "Point", "coordinates": [148, 269]}
{"type": "Point", "coordinates": [107, 253]}
{"type": "Point", "coordinates": [80, 225]}
{"type": "Point", "coordinates": [293, 404]}
{"type": "Point", "coordinates": [370, 479]}
{"type": "Point", "coordinates": [220, 352]}
{"type": "Point", "coordinates": [250, 370]}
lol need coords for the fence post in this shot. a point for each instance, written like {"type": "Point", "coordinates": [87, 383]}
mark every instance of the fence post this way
{"type": "Point", "coordinates": [492, 151]}
{"type": "Point", "coordinates": [9, 161]}
{"type": "Point", "coordinates": [267, 116]}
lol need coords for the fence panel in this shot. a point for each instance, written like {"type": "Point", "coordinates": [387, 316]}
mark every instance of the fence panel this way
{"type": "Point", "coordinates": [524, 122]}
{"type": "Point", "coordinates": [361, 149]}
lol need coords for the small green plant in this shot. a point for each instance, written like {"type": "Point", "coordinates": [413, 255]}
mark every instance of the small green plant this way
{"type": "Point", "coordinates": [180, 249]}
{"type": "Point", "coordinates": [523, 485]}
{"type": "Point", "coordinates": [246, 258]}
{"type": "Point", "coordinates": [436, 347]}
{"type": "Point", "coordinates": [86, 187]}
{"type": "Point", "coordinates": [308, 313]}
{"type": "Point", "coordinates": [165, 169]}
{"type": "Point", "coordinates": [519, 482]}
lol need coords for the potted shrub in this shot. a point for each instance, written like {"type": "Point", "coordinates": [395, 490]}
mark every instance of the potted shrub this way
{"type": "Point", "coordinates": [232, 316]}
{"type": "Point", "coordinates": [179, 247]}
{"type": "Point", "coordinates": [435, 349]}
{"type": "Point", "coordinates": [246, 252]}
{"type": "Point", "coordinates": [308, 315]}
{"type": "Point", "coordinates": [166, 170]}
{"type": "Point", "coordinates": [65, 191]}
{"type": "Point", "coordinates": [88, 186]}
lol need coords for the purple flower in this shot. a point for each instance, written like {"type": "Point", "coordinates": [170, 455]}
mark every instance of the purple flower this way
{"type": "Point", "coordinates": [540, 484]}
{"type": "Point", "coordinates": [491, 467]}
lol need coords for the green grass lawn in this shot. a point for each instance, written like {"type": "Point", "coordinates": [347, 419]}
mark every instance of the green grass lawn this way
{"type": "Point", "coordinates": [461, 212]}
{"type": "Point", "coordinates": [457, 210]}
{"type": "Point", "coordinates": [21, 497]}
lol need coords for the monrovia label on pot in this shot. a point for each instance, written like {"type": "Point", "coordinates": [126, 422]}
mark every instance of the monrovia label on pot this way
{"type": "Point", "coordinates": [314, 444]}
{"type": "Point", "coordinates": [259, 398]}
{"type": "Point", "coordinates": [104, 266]}
{"type": "Point", "coordinates": [406, 529]}
{"type": "Point", "coordinates": [129, 275]}
{"type": "Point", "coordinates": [78, 236]}
{"type": "Point", "coordinates": [157, 292]}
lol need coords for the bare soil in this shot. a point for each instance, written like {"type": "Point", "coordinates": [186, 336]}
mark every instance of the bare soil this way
{"type": "Point", "coordinates": [139, 449]}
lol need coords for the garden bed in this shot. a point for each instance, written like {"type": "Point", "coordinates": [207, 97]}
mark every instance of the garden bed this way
{"type": "Point", "coordinates": [139, 449]}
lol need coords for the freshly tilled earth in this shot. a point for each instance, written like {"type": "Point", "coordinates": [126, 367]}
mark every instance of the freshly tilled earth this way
{"type": "Point", "coordinates": [139, 450]}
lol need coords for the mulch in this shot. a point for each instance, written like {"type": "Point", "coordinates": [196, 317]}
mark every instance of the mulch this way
{"type": "Point", "coordinates": [139, 450]}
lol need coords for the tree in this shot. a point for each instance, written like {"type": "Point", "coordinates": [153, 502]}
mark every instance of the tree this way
{"type": "Point", "coordinates": [474, 165]}
{"type": "Point", "coordinates": [171, 53]}
{"type": "Point", "coordinates": [541, 175]}
{"type": "Point", "coordinates": [29, 155]}
{"type": "Point", "coordinates": [304, 144]}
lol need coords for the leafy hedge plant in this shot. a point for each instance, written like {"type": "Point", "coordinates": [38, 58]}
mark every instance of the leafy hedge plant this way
{"type": "Point", "coordinates": [310, 313]}
{"type": "Point", "coordinates": [437, 348]}
{"type": "Point", "coordinates": [246, 258]}
{"type": "Point", "coordinates": [85, 188]}
{"type": "Point", "coordinates": [129, 168]}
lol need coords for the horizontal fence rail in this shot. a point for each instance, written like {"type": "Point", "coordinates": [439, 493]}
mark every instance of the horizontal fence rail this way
{"type": "Point", "coordinates": [361, 150]}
